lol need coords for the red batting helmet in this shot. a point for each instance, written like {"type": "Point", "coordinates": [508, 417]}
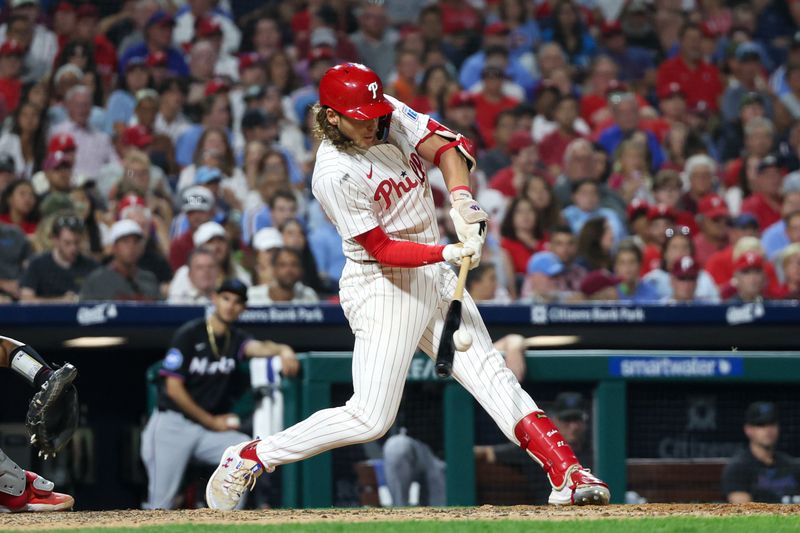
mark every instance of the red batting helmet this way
{"type": "Point", "coordinates": [355, 91]}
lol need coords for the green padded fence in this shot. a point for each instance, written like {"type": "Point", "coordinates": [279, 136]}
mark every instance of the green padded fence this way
{"type": "Point", "coordinates": [309, 483]}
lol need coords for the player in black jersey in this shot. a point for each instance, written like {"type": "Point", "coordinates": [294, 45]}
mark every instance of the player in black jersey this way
{"type": "Point", "coordinates": [198, 384]}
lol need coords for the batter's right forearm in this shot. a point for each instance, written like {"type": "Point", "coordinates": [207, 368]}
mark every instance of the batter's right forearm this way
{"type": "Point", "coordinates": [401, 254]}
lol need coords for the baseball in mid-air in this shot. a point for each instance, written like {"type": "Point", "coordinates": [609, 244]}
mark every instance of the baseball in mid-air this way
{"type": "Point", "coordinates": [462, 340]}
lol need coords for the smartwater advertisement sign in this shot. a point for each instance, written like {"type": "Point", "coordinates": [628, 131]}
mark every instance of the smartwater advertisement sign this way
{"type": "Point", "coordinates": [675, 367]}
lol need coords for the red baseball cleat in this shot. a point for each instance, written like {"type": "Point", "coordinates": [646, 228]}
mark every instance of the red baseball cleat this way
{"type": "Point", "coordinates": [582, 488]}
{"type": "Point", "coordinates": [37, 497]}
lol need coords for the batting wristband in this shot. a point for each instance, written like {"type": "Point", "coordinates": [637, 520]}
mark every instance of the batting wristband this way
{"type": "Point", "coordinates": [401, 254]}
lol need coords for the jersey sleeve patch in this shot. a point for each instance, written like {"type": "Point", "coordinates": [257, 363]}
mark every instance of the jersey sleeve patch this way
{"type": "Point", "coordinates": [173, 360]}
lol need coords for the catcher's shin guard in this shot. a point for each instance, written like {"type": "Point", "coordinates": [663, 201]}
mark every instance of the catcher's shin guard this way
{"type": "Point", "coordinates": [37, 495]}
{"type": "Point", "coordinates": [572, 484]}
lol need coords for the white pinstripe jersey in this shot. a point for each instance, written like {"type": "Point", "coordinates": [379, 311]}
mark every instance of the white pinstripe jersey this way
{"type": "Point", "coordinates": [384, 186]}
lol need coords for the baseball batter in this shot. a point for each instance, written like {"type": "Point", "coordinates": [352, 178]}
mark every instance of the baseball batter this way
{"type": "Point", "coordinates": [370, 179]}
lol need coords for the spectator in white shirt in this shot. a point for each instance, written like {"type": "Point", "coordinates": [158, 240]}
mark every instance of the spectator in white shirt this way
{"type": "Point", "coordinates": [185, 24]}
{"type": "Point", "coordinates": [286, 287]}
{"type": "Point", "coordinates": [200, 279]}
{"type": "Point", "coordinates": [94, 146]}
{"type": "Point", "coordinates": [41, 43]}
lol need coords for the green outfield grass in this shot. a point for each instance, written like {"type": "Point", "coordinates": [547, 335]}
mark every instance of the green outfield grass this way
{"type": "Point", "coordinates": [744, 524]}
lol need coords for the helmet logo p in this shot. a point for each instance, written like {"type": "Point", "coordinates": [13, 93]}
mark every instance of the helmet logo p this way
{"type": "Point", "coordinates": [373, 87]}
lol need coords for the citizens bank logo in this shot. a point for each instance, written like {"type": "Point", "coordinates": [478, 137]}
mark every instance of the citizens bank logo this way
{"type": "Point", "coordinates": [539, 314]}
{"type": "Point", "coordinates": [96, 314]}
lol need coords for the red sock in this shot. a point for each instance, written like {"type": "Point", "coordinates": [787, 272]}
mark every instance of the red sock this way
{"type": "Point", "coordinates": [539, 436]}
{"type": "Point", "coordinates": [249, 452]}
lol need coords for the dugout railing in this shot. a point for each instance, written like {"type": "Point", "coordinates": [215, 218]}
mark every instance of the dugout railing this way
{"type": "Point", "coordinates": [610, 373]}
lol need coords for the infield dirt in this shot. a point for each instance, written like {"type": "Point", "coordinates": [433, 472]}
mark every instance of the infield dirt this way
{"type": "Point", "coordinates": [133, 518]}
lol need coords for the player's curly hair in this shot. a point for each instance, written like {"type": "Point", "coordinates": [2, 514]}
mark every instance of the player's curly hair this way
{"type": "Point", "coordinates": [325, 130]}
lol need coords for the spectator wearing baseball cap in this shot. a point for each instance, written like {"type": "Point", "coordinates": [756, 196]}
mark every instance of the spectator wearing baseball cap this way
{"type": "Point", "coordinates": [542, 276]}
{"type": "Point", "coordinates": [11, 55]}
{"type": "Point", "coordinates": [776, 237]}
{"type": "Point", "coordinates": [186, 26]}
{"type": "Point", "coordinates": [40, 42]}
{"type": "Point", "coordinates": [460, 114]}
{"type": "Point", "coordinates": [210, 29]}
{"type": "Point", "coordinates": [212, 235]}
{"type": "Point", "coordinates": [627, 268]}
{"type": "Point", "coordinates": [158, 33]}
{"type": "Point", "coordinates": [122, 279]}
{"type": "Point", "coordinates": [678, 244]}
{"type": "Point", "coordinates": [198, 207]}
{"type": "Point", "coordinates": [749, 279]}
{"type": "Point", "coordinates": [683, 279]}
{"type": "Point", "coordinates": [156, 238]}
{"type": "Point", "coordinates": [600, 286]}
{"type": "Point", "coordinates": [759, 472]}
{"type": "Point", "coordinates": [494, 93]}
{"type": "Point", "coordinates": [746, 78]}
{"type": "Point", "coordinates": [636, 215]}
{"type": "Point", "coordinates": [715, 221]}
{"type": "Point", "coordinates": [701, 80]}
{"type": "Point", "coordinates": [495, 36]}
{"type": "Point", "coordinates": [121, 103]}
{"type": "Point", "coordinates": [765, 201]}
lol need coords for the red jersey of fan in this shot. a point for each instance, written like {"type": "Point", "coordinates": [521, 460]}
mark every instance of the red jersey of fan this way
{"type": "Point", "coordinates": [700, 84]}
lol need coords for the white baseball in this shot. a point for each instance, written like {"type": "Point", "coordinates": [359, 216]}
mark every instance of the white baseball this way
{"type": "Point", "coordinates": [233, 422]}
{"type": "Point", "coordinates": [462, 340]}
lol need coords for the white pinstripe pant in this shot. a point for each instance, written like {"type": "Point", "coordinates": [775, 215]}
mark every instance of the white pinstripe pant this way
{"type": "Point", "coordinates": [393, 312]}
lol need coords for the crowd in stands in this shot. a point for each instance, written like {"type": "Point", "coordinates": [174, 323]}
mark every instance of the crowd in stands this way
{"type": "Point", "coordinates": [632, 150]}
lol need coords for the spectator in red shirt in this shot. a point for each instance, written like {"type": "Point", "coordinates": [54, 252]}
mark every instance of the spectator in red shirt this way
{"type": "Point", "coordinates": [714, 226]}
{"type": "Point", "coordinates": [198, 204]}
{"type": "Point", "coordinates": [721, 264]}
{"type": "Point", "coordinates": [701, 173]}
{"type": "Point", "coordinates": [11, 54]}
{"type": "Point", "coordinates": [18, 206]}
{"type": "Point", "coordinates": [524, 163]}
{"type": "Point", "coordinates": [660, 222]}
{"type": "Point", "coordinates": [594, 103]}
{"type": "Point", "coordinates": [460, 114]}
{"type": "Point", "coordinates": [637, 222]}
{"type": "Point", "coordinates": [759, 140]}
{"type": "Point", "coordinates": [491, 100]}
{"type": "Point", "coordinates": [765, 202]}
{"type": "Point", "coordinates": [521, 233]}
{"type": "Point", "coordinates": [700, 80]}
{"type": "Point", "coordinates": [555, 143]}
{"type": "Point", "coordinates": [750, 279]}
{"type": "Point", "coordinates": [105, 55]}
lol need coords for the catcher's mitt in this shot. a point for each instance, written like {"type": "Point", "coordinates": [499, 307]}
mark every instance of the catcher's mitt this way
{"type": "Point", "coordinates": [53, 412]}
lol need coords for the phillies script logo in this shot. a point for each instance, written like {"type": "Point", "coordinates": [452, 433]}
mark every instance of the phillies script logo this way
{"type": "Point", "coordinates": [388, 186]}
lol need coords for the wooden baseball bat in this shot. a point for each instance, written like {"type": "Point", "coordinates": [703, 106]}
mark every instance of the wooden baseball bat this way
{"type": "Point", "coordinates": [447, 349]}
